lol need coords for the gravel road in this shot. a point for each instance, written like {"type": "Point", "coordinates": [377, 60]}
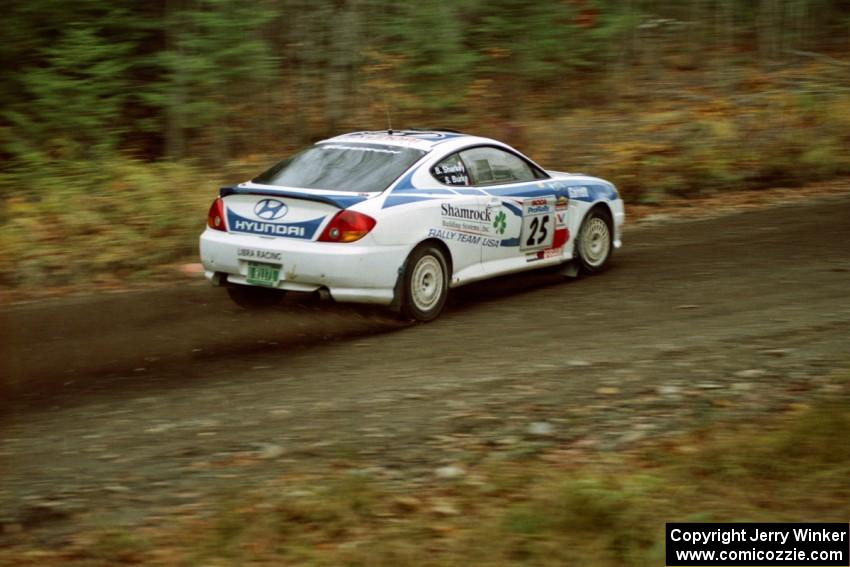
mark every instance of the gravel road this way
{"type": "Point", "coordinates": [120, 409]}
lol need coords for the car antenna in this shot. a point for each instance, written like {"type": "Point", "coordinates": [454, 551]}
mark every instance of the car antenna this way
{"type": "Point", "coordinates": [389, 119]}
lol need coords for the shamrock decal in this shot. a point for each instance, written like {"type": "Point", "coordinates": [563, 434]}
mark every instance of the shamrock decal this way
{"type": "Point", "coordinates": [501, 222]}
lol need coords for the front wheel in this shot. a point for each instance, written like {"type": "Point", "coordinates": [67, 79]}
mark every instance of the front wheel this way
{"type": "Point", "coordinates": [425, 284]}
{"type": "Point", "coordinates": [595, 241]}
{"type": "Point", "coordinates": [253, 297]}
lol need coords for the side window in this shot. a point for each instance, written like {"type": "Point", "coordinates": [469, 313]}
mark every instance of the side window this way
{"type": "Point", "coordinates": [488, 166]}
{"type": "Point", "coordinates": [451, 171]}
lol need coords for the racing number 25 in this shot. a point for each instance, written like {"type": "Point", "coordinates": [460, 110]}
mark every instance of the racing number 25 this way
{"type": "Point", "coordinates": [537, 231]}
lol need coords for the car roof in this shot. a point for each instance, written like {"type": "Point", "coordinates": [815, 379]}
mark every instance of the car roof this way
{"type": "Point", "coordinates": [419, 139]}
{"type": "Point", "coordinates": [447, 141]}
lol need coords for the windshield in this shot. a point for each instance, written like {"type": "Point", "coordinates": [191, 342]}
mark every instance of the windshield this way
{"type": "Point", "coordinates": [359, 168]}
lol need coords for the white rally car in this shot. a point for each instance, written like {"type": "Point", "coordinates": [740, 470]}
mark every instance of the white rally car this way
{"type": "Point", "coordinates": [399, 218]}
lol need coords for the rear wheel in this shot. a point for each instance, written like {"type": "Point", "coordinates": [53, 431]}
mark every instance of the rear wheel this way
{"type": "Point", "coordinates": [595, 241]}
{"type": "Point", "coordinates": [425, 284]}
{"type": "Point", "coordinates": [252, 297]}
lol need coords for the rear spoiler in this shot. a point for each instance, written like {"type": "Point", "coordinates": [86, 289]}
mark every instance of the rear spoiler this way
{"type": "Point", "coordinates": [338, 201]}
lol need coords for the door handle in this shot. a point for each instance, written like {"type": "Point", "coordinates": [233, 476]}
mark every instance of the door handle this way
{"type": "Point", "coordinates": [494, 203]}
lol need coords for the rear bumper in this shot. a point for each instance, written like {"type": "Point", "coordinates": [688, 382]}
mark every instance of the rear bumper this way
{"type": "Point", "coordinates": [361, 272]}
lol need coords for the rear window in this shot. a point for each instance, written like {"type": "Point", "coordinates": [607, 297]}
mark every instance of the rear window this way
{"type": "Point", "coordinates": [359, 168]}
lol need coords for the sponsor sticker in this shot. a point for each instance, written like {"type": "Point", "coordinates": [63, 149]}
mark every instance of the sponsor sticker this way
{"type": "Point", "coordinates": [538, 206]}
{"type": "Point", "coordinates": [562, 203]}
{"type": "Point", "coordinates": [256, 254]}
{"type": "Point", "coordinates": [578, 192]}
{"type": "Point", "coordinates": [543, 254]}
{"type": "Point", "coordinates": [387, 139]}
{"type": "Point", "coordinates": [468, 219]}
{"type": "Point", "coordinates": [357, 149]}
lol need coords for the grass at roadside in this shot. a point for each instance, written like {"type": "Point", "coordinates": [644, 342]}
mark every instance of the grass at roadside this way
{"type": "Point", "coordinates": [114, 224]}
{"type": "Point", "coordinates": [547, 510]}
{"type": "Point", "coordinates": [119, 222]}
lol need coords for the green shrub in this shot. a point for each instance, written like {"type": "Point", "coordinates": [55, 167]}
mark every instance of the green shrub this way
{"type": "Point", "coordinates": [74, 223]}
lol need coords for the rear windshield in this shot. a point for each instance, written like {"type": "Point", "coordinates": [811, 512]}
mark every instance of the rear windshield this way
{"type": "Point", "coordinates": [359, 168]}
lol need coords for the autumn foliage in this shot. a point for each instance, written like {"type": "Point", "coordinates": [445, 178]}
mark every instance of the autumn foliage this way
{"type": "Point", "coordinates": [120, 119]}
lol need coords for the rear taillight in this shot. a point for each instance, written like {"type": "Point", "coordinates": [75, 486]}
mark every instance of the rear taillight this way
{"type": "Point", "coordinates": [215, 218]}
{"type": "Point", "coordinates": [347, 226]}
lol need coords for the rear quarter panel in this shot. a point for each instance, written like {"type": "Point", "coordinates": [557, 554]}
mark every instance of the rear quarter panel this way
{"type": "Point", "coordinates": [412, 219]}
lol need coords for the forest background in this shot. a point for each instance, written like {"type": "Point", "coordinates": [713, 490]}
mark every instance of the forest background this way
{"type": "Point", "coordinates": [119, 120]}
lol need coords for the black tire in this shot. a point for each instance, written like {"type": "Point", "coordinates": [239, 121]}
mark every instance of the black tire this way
{"type": "Point", "coordinates": [425, 283]}
{"type": "Point", "coordinates": [595, 241]}
{"type": "Point", "coordinates": [253, 297]}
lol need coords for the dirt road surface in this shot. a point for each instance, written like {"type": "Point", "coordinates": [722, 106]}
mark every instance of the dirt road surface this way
{"type": "Point", "coordinates": [124, 409]}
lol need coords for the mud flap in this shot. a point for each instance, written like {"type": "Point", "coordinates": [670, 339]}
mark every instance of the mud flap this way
{"type": "Point", "coordinates": [395, 306]}
{"type": "Point", "coordinates": [570, 269]}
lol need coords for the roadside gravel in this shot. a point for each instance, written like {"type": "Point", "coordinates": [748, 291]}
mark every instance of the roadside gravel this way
{"type": "Point", "coordinates": [698, 322]}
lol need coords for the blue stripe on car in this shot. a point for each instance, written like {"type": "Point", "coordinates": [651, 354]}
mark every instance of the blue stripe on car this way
{"type": "Point", "coordinates": [512, 208]}
{"type": "Point", "coordinates": [395, 200]}
{"type": "Point", "coordinates": [595, 192]}
{"type": "Point", "coordinates": [405, 183]}
{"type": "Point", "coordinates": [426, 191]}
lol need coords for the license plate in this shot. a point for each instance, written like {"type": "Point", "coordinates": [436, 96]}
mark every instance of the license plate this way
{"type": "Point", "coordinates": [263, 274]}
